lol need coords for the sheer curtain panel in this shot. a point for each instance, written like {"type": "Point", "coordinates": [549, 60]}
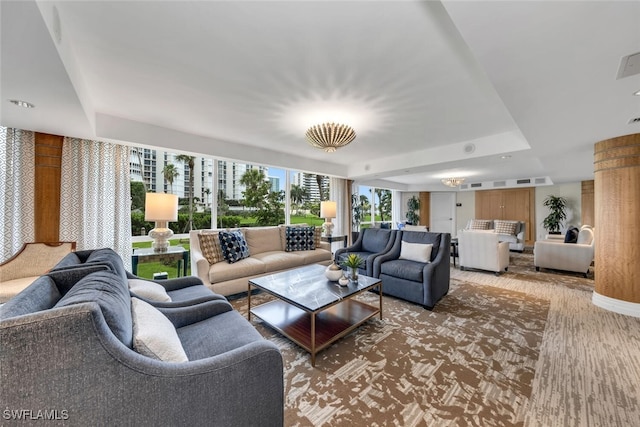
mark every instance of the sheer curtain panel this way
{"type": "Point", "coordinates": [17, 181]}
{"type": "Point", "coordinates": [95, 199]}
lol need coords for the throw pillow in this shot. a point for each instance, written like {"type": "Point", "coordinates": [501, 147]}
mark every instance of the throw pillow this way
{"type": "Point", "coordinates": [210, 247]}
{"type": "Point", "coordinates": [300, 239]}
{"type": "Point", "coordinates": [479, 224]}
{"type": "Point", "coordinates": [234, 246]}
{"type": "Point", "coordinates": [572, 235]}
{"type": "Point", "coordinates": [505, 227]}
{"type": "Point", "coordinates": [154, 335]}
{"type": "Point", "coordinates": [149, 290]}
{"type": "Point", "coordinates": [418, 252]}
{"type": "Point", "coordinates": [317, 237]}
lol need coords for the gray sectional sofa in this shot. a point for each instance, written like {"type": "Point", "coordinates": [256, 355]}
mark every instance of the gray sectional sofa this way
{"type": "Point", "coordinates": [267, 255]}
{"type": "Point", "coordinates": [74, 345]}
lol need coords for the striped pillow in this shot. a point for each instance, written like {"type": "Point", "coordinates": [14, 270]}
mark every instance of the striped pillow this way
{"type": "Point", "coordinates": [480, 224]}
{"type": "Point", "coordinates": [505, 227]}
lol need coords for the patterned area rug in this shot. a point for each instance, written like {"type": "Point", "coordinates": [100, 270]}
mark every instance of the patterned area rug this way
{"type": "Point", "coordinates": [470, 361]}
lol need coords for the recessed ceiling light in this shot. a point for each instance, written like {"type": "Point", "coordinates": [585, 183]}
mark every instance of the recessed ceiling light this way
{"type": "Point", "coordinates": [505, 157]}
{"type": "Point", "coordinates": [637, 93]}
{"type": "Point", "coordinates": [20, 103]}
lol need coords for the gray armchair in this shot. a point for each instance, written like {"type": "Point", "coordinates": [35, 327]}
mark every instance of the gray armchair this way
{"type": "Point", "coordinates": [415, 281]}
{"type": "Point", "coordinates": [371, 243]}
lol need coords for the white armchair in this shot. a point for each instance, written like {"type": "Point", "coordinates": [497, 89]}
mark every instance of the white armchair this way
{"type": "Point", "coordinates": [556, 254]}
{"type": "Point", "coordinates": [482, 250]}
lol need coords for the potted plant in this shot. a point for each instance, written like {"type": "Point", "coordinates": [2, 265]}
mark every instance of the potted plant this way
{"type": "Point", "coordinates": [557, 213]}
{"type": "Point", "coordinates": [352, 262]}
{"type": "Point", "coordinates": [413, 204]}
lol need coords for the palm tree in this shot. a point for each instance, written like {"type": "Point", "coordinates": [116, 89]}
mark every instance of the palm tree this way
{"type": "Point", "coordinates": [190, 161]}
{"type": "Point", "coordinates": [319, 181]}
{"type": "Point", "coordinates": [170, 173]}
{"type": "Point", "coordinates": [207, 192]}
{"type": "Point", "coordinates": [256, 188]}
{"type": "Point", "coordinates": [298, 195]}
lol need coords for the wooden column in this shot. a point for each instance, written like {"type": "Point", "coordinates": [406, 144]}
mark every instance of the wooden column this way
{"type": "Point", "coordinates": [587, 203]}
{"type": "Point", "coordinates": [425, 208]}
{"type": "Point", "coordinates": [48, 157]}
{"type": "Point", "coordinates": [617, 209]}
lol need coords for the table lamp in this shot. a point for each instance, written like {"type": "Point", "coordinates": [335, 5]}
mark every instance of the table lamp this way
{"type": "Point", "coordinates": [161, 208]}
{"type": "Point", "coordinates": [328, 212]}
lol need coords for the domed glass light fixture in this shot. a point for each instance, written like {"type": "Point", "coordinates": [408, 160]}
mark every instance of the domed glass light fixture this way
{"type": "Point", "coordinates": [452, 182]}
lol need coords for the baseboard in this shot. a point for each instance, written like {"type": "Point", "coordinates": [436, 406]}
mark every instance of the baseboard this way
{"type": "Point", "coordinates": [616, 305]}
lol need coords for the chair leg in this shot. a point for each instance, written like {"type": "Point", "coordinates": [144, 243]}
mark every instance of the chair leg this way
{"type": "Point", "coordinates": [537, 268]}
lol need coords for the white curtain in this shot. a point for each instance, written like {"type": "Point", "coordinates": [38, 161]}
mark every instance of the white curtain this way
{"type": "Point", "coordinates": [95, 200]}
{"type": "Point", "coordinates": [17, 187]}
{"type": "Point", "coordinates": [396, 208]}
{"type": "Point", "coordinates": [343, 205]}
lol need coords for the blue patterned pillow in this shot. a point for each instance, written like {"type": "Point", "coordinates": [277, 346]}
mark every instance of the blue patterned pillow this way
{"type": "Point", "coordinates": [234, 246]}
{"type": "Point", "coordinates": [300, 239]}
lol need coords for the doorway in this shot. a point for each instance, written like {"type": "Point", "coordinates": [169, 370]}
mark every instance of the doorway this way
{"type": "Point", "coordinates": [443, 212]}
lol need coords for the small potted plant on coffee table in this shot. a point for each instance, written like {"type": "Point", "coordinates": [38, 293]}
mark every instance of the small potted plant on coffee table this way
{"type": "Point", "coordinates": [352, 262]}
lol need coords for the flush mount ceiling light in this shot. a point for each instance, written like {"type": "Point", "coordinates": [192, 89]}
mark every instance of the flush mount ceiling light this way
{"type": "Point", "coordinates": [20, 103]}
{"type": "Point", "coordinates": [452, 182]}
{"type": "Point", "coordinates": [330, 136]}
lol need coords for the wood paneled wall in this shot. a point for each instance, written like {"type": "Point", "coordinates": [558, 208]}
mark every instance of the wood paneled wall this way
{"type": "Point", "coordinates": [587, 203]}
{"type": "Point", "coordinates": [516, 204]}
{"type": "Point", "coordinates": [425, 208]}
{"type": "Point", "coordinates": [48, 157]}
{"type": "Point", "coordinates": [617, 208]}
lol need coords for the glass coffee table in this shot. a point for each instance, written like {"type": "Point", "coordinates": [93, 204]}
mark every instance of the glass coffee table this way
{"type": "Point", "coordinates": [310, 310]}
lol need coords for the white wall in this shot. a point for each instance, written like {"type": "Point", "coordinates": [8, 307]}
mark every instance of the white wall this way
{"type": "Point", "coordinates": [572, 192]}
{"type": "Point", "coordinates": [468, 209]}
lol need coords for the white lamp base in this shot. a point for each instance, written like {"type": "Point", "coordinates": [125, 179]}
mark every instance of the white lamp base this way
{"type": "Point", "coordinates": [327, 227]}
{"type": "Point", "coordinates": [160, 236]}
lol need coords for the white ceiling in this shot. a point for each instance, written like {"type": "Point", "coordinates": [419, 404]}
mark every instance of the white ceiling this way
{"type": "Point", "coordinates": [418, 80]}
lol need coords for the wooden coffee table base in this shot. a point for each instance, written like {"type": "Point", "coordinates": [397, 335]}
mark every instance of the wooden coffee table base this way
{"type": "Point", "coordinates": [315, 331]}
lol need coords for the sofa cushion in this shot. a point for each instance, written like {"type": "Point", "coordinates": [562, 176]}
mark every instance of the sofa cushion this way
{"type": "Point", "coordinates": [375, 239]}
{"type": "Point", "coordinates": [403, 268]}
{"type": "Point", "coordinates": [149, 290]}
{"type": "Point", "coordinates": [111, 293]}
{"type": "Point", "coordinates": [109, 257]}
{"type": "Point", "coordinates": [300, 239]}
{"type": "Point", "coordinates": [279, 260]}
{"type": "Point", "coordinates": [223, 271]}
{"type": "Point", "coordinates": [154, 335]}
{"type": "Point", "coordinates": [234, 246]}
{"type": "Point", "coordinates": [315, 256]}
{"type": "Point", "coordinates": [479, 224]}
{"type": "Point", "coordinates": [418, 252]}
{"type": "Point", "coordinates": [505, 227]}
{"type": "Point", "coordinates": [210, 247]}
{"type": "Point", "coordinates": [262, 240]}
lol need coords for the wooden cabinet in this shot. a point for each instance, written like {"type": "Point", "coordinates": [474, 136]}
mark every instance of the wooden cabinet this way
{"type": "Point", "coordinates": [516, 204]}
{"type": "Point", "coordinates": [588, 198]}
{"type": "Point", "coordinates": [425, 208]}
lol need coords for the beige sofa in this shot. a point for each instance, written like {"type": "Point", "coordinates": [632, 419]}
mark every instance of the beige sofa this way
{"type": "Point", "coordinates": [516, 238]}
{"type": "Point", "coordinates": [267, 255]}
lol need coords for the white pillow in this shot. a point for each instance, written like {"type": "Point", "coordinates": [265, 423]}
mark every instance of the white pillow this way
{"type": "Point", "coordinates": [419, 252]}
{"type": "Point", "coordinates": [154, 335]}
{"type": "Point", "coordinates": [149, 290]}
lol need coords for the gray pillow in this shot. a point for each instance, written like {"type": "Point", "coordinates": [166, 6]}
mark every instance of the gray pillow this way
{"type": "Point", "coordinates": [111, 293]}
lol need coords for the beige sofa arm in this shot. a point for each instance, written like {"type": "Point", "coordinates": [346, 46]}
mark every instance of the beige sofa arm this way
{"type": "Point", "coordinates": [503, 256]}
{"type": "Point", "coordinates": [563, 256]}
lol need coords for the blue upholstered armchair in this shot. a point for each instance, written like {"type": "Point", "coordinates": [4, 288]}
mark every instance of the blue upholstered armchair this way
{"type": "Point", "coordinates": [409, 270]}
{"type": "Point", "coordinates": [371, 243]}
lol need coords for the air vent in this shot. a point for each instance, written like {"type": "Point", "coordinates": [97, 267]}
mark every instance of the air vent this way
{"type": "Point", "coordinates": [540, 181]}
{"type": "Point", "coordinates": [476, 185]}
{"type": "Point", "coordinates": [634, 120]}
{"type": "Point", "coordinates": [500, 183]}
{"type": "Point", "coordinates": [523, 181]}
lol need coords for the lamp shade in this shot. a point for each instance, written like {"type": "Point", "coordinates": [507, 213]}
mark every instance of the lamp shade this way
{"type": "Point", "coordinates": [328, 209]}
{"type": "Point", "coordinates": [161, 207]}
